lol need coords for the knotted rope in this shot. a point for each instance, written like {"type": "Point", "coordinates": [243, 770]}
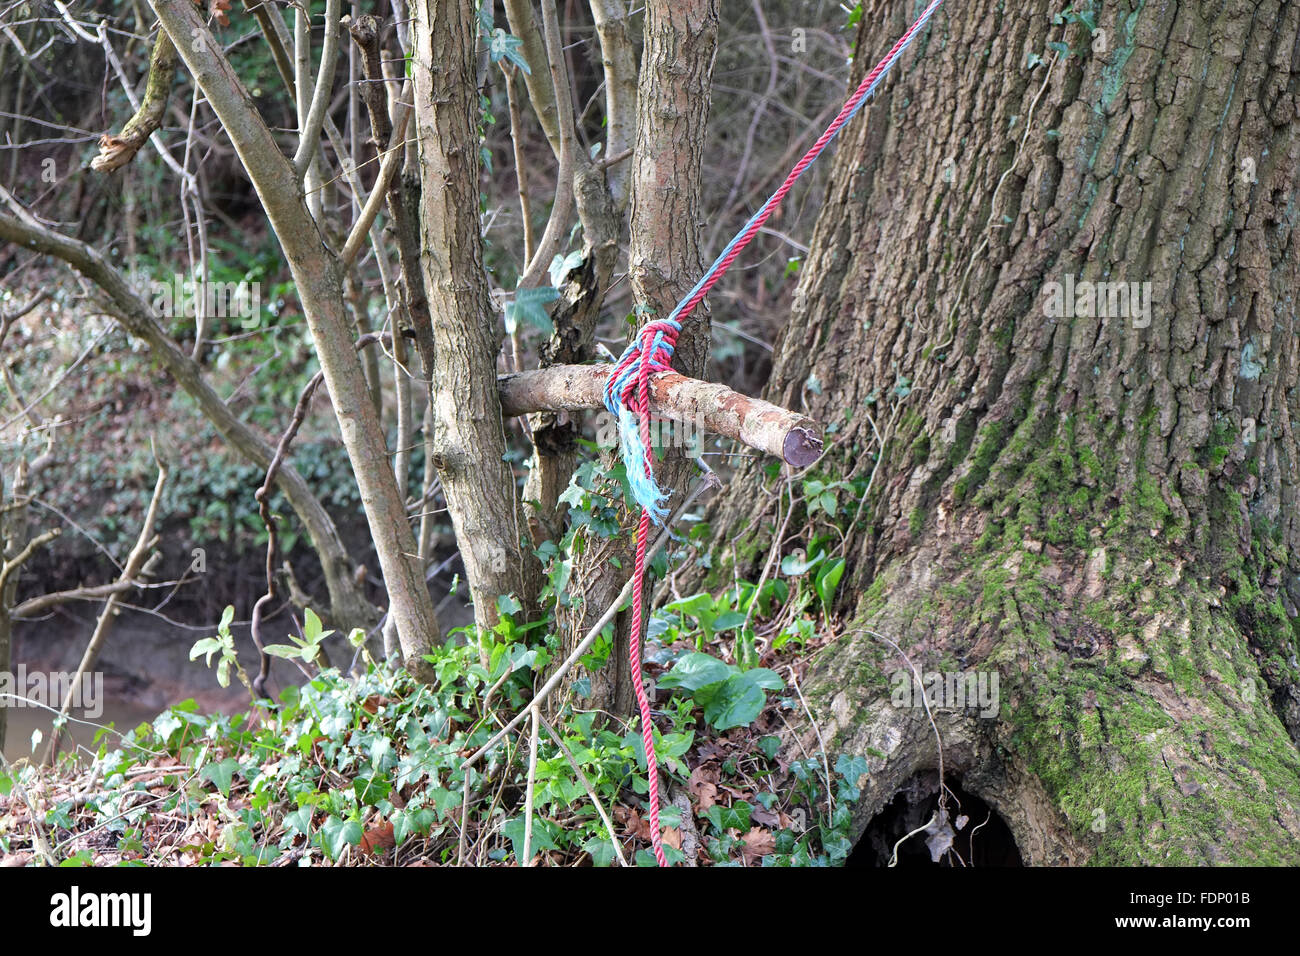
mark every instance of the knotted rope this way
{"type": "Point", "coordinates": [627, 392]}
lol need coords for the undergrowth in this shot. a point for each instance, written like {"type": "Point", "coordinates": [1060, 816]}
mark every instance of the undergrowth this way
{"type": "Point", "coordinates": [369, 769]}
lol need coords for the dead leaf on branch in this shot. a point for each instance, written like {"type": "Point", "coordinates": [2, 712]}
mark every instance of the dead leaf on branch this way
{"type": "Point", "coordinates": [217, 9]}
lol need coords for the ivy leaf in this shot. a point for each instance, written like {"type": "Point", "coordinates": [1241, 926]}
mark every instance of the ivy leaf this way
{"type": "Point", "coordinates": [299, 821]}
{"type": "Point", "coordinates": [561, 266]}
{"type": "Point", "coordinates": [734, 817]}
{"type": "Point", "coordinates": [602, 851]}
{"type": "Point", "coordinates": [408, 822]}
{"type": "Point", "coordinates": [850, 768]}
{"type": "Point", "coordinates": [337, 834]}
{"type": "Point", "coordinates": [220, 773]}
{"type": "Point", "coordinates": [530, 305]}
{"type": "Point", "coordinates": [502, 45]}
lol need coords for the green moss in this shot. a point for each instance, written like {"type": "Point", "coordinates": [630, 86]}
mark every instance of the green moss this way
{"type": "Point", "coordinates": [992, 437]}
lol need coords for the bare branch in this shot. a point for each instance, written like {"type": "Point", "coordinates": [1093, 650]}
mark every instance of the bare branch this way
{"type": "Point", "coordinates": [116, 151]}
{"type": "Point", "coordinates": [137, 317]}
{"type": "Point", "coordinates": [558, 223]}
{"type": "Point", "coordinates": [393, 158]}
{"type": "Point", "coordinates": [320, 289]}
{"type": "Point", "coordinates": [618, 56]}
{"type": "Point", "coordinates": [137, 563]}
{"type": "Point", "coordinates": [309, 137]}
{"type": "Point", "coordinates": [791, 437]}
{"type": "Point", "coordinates": [14, 563]}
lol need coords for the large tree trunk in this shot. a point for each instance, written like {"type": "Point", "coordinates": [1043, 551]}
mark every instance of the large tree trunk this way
{"type": "Point", "coordinates": [1099, 509]}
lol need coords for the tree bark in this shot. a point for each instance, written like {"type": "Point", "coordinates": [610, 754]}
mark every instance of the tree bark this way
{"type": "Point", "coordinates": [469, 437]}
{"type": "Point", "coordinates": [665, 261]}
{"type": "Point", "coordinates": [1099, 509]}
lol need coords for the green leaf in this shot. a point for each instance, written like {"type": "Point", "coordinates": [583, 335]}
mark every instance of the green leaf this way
{"type": "Point", "coordinates": [337, 834]}
{"type": "Point", "coordinates": [311, 626]}
{"type": "Point", "coordinates": [728, 620]}
{"type": "Point", "coordinates": [694, 671]}
{"type": "Point", "coordinates": [166, 724]}
{"type": "Point", "coordinates": [408, 822]}
{"type": "Point", "coordinates": [602, 851]}
{"type": "Point", "coordinates": [220, 773]}
{"type": "Point", "coordinates": [207, 645]}
{"type": "Point", "coordinates": [737, 704]}
{"type": "Point", "coordinates": [371, 789]}
{"type": "Point", "coordinates": [514, 831]}
{"type": "Point", "coordinates": [828, 580]}
{"type": "Point", "coordinates": [734, 817]}
{"type": "Point", "coordinates": [502, 45]}
{"type": "Point", "coordinates": [530, 306]}
{"type": "Point", "coordinates": [288, 651]}
{"type": "Point", "coordinates": [766, 679]}
{"type": "Point", "coordinates": [795, 565]}
{"type": "Point", "coordinates": [828, 502]}
{"type": "Point", "coordinates": [299, 821]}
{"type": "Point", "coordinates": [850, 768]}
{"type": "Point", "coordinates": [561, 266]}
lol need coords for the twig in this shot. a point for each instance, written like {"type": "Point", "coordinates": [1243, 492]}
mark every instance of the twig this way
{"type": "Point", "coordinates": [943, 785]}
{"type": "Point", "coordinates": [38, 832]}
{"type": "Point", "coordinates": [393, 157]}
{"type": "Point", "coordinates": [562, 205]}
{"type": "Point", "coordinates": [893, 859]}
{"type": "Point", "coordinates": [11, 565]}
{"type": "Point", "coordinates": [528, 793]}
{"type": "Point", "coordinates": [138, 563]}
{"type": "Point", "coordinates": [309, 140]}
{"type": "Point", "coordinates": [826, 766]}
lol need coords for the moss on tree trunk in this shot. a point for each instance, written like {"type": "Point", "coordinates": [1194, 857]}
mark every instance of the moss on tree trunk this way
{"type": "Point", "coordinates": [1097, 504]}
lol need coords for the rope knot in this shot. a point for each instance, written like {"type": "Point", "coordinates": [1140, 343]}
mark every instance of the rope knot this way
{"type": "Point", "coordinates": [627, 395]}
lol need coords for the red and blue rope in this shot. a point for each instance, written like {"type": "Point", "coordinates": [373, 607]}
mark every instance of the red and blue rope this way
{"type": "Point", "coordinates": [627, 392]}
